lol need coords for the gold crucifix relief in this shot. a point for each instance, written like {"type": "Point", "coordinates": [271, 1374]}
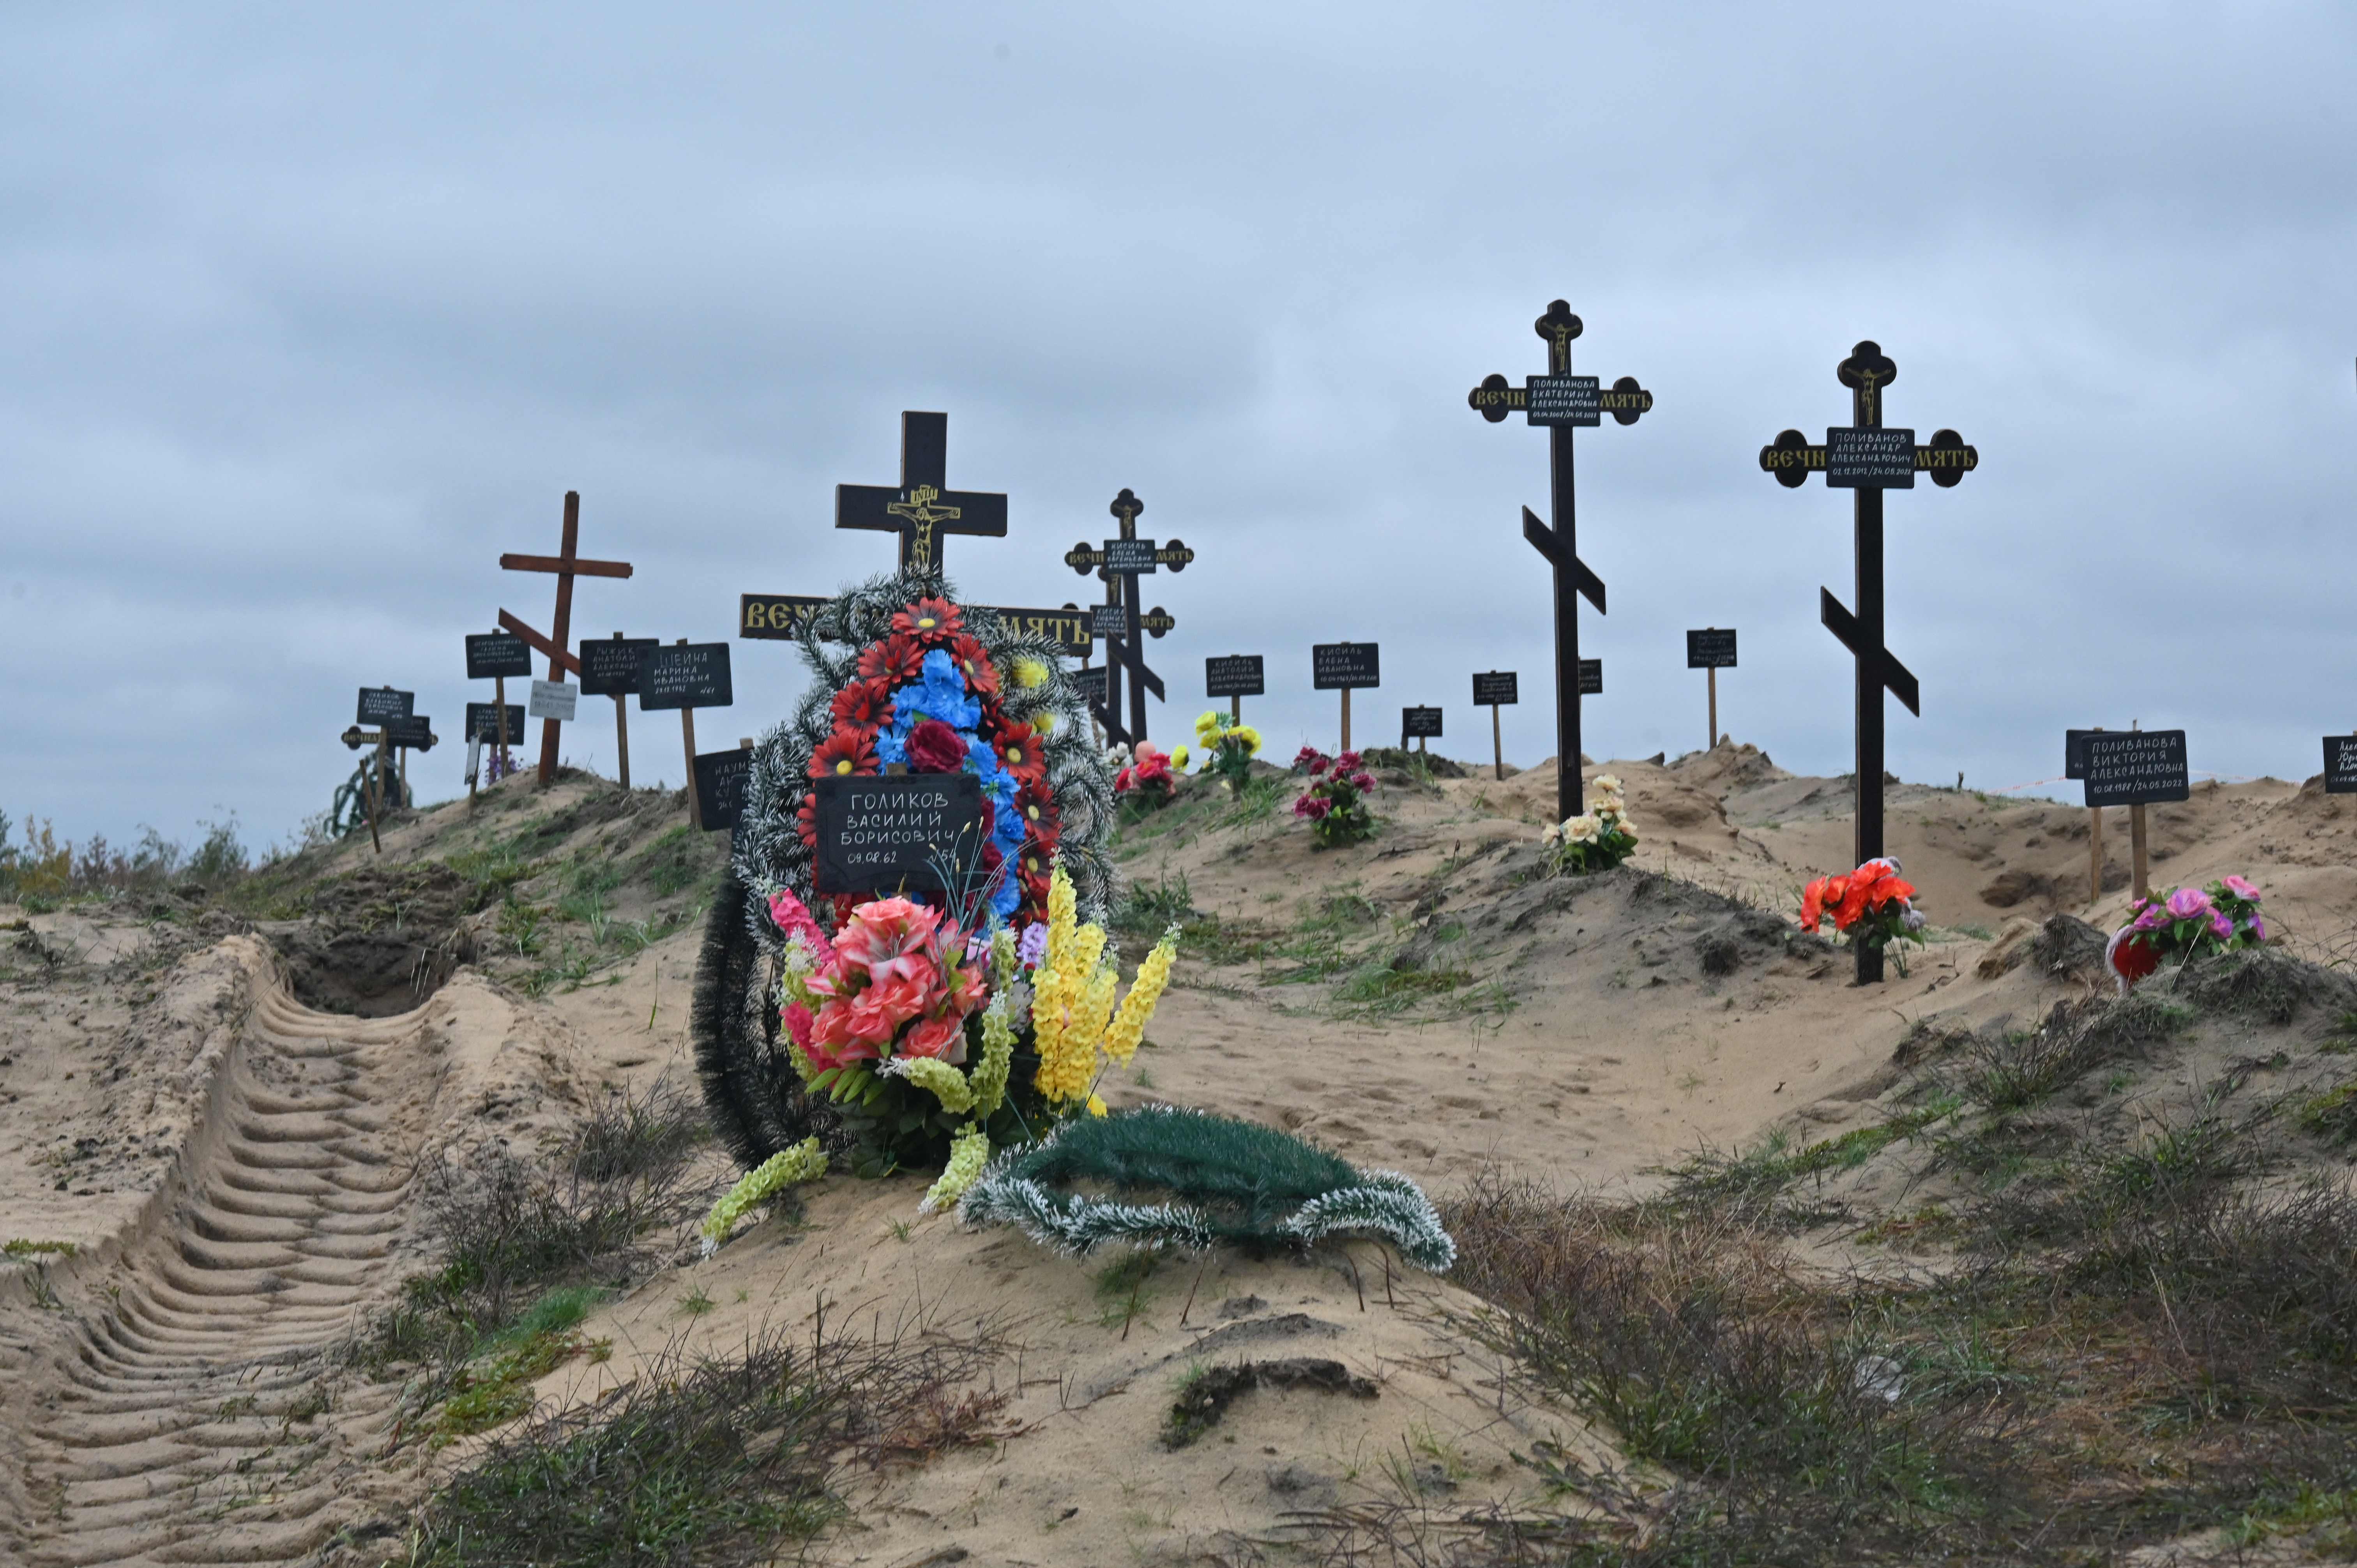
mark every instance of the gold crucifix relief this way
{"type": "Point", "coordinates": [922, 514]}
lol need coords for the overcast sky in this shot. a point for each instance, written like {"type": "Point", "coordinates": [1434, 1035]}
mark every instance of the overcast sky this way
{"type": "Point", "coordinates": [307, 313]}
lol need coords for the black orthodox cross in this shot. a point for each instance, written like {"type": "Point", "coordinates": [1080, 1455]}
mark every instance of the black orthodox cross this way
{"type": "Point", "coordinates": [1562, 401]}
{"type": "Point", "coordinates": [1866, 459]}
{"type": "Point", "coordinates": [924, 508]}
{"type": "Point", "coordinates": [566, 565]}
{"type": "Point", "coordinates": [1123, 650]}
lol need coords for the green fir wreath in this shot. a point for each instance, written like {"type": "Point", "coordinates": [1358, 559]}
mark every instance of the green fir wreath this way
{"type": "Point", "coordinates": [1162, 1176]}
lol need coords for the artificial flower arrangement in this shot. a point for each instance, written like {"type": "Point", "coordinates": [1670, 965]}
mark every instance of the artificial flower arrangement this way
{"type": "Point", "coordinates": [1872, 906]}
{"type": "Point", "coordinates": [1335, 803]}
{"type": "Point", "coordinates": [2222, 918]}
{"type": "Point", "coordinates": [935, 1047]}
{"type": "Point", "coordinates": [1228, 747]}
{"type": "Point", "coordinates": [1148, 778]}
{"type": "Point", "coordinates": [1597, 839]}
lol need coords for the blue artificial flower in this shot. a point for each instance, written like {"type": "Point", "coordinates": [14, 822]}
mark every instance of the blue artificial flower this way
{"type": "Point", "coordinates": [939, 694]}
{"type": "Point", "coordinates": [892, 745]}
{"type": "Point", "coordinates": [1010, 893]}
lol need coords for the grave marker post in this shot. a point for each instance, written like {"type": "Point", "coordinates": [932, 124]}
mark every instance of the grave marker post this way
{"type": "Point", "coordinates": [1711, 649]}
{"type": "Point", "coordinates": [2074, 766]}
{"type": "Point", "coordinates": [923, 509]}
{"type": "Point", "coordinates": [687, 676]}
{"type": "Point", "coordinates": [567, 564]}
{"type": "Point", "coordinates": [1493, 689]}
{"type": "Point", "coordinates": [1866, 459]}
{"type": "Point", "coordinates": [1341, 666]}
{"type": "Point", "coordinates": [1234, 676]}
{"type": "Point", "coordinates": [1562, 402]}
{"type": "Point", "coordinates": [1120, 563]}
{"type": "Point", "coordinates": [2134, 769]}
{"type": "Point", "coordinates": [611, 668]}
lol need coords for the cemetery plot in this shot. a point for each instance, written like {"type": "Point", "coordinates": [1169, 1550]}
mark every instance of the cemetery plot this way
{"type": "Point", "coordinates": [895, 833]}
{"type": "Point", "coordinates": [2136, 767]}
{"type": "Point", "coordinates": [494, 655]}
{"type": "Point", "coordinates": [720, 779]}
{"type": "Point", "coordinates": [379, 703]}
{"type": "Point", "coordinates": [685, 675]}
{"type": "Point", "coordinates": [1234, 675]}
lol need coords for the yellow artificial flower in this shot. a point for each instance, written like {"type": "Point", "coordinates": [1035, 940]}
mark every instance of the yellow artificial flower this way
{"type": "Point", "coordinates": [1097, 1105]}
{"type": "Point", "coordinates": [1207, 726]}
{"type": "Point", "coordinates": [1178, 758]}
{"type": "Point", "coordinates": [1030, 672]}
{"type": "Point", "coordinates": [1044, 722]}
{"type": "Point", "coordinates": [969, 1152]}
{"type": "Point", "coordinates": [1128, 1028]}
{"type": "Point", "coordinates": [1249, 735]}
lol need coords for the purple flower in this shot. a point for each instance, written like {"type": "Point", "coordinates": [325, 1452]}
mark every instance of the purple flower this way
{"type": "Point", "coordinates": [2151, 917]}
{"type": "Point", "coordinates": [2241, 889]}
{"type": "Point", "coordinates": [2221, 928]}
{"type": "Point", "coordinates": [1033, 945]}
{"type": "Point", "coordinates": [2258, 927]}
{"type": "Point", "coordinates": [2189, 903]}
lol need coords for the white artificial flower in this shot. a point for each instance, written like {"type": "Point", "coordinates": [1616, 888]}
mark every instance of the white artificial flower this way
{"type": "Point", "coordinates": [1581, 828]}
{"type": "Point", "coordinates": [1607, 784]}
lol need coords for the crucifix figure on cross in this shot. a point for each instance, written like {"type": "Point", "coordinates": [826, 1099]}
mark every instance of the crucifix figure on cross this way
{"type": "Point", "coordinates": [567, 564]}
{"type": "Point", "coordinates": [1562, 402]}
{"type": "Point", "coordinates": [924, 509]}
{"type": "Point", "coordinates": [1866, 459]}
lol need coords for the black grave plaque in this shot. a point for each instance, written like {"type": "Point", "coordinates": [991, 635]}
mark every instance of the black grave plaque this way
{"type": "Point", "coordinates": [2137, 768]}
{"type": "Point", "coordinates": [1591, 677]}
{"type": "Point", "coordinates": [720, 778]}
{"type": "Point", "coordinates": [610, 666]}
{"type": "Point", "coordinates": [1108, 620]}
{"type": "Point", "coordinates": [1091, 684]}
{"type": "Point", "coordinates": [1129, 557]}
{"type": "Point", "coordinates": [2074, 752]}
{"type": "Point", "coordinates": [492, 654]}
{"type": "Point", "coordinates": [1234, 675]}
{"type": "Point", "coordinates": [483, 722]}
{"type": "Point", "coordinates": [1562, 399]}
{"type": "Point", "coordinates": [896, 832]}
{"type": "Point", "coordinates": [1419, 723]}
{"type": "Point", "coordinates": [1712, 649]}
{"type": "Point", "coordinates": [1340, 666]}
{"type": "Point", "coordinates": [379, 703]}
{"type": "Point", "coordinates": [2341, 765]}
{"type": "Point", "coordinates": [414, 733]}
{"type": "Point", "coordinates": [1860, 457]}
{"type": "Point", "coordinates": [1497, 689]}
{"type": "Point", "coordinates": [685, 675]}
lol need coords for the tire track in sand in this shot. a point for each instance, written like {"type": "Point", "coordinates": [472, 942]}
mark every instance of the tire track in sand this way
{"type": "Point", "coordinates": [184, 1421]}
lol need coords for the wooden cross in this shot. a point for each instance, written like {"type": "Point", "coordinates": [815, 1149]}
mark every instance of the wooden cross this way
{"type": "Point", "coordinates": [924, 508]}
{"type": "Point", "coordinates": [1562, 402]}
{"type": "Point", "coordinates": [567, 564]}
{"type": "Point", "coordinates": [1866, 459]}
{"type": "Point", "coordinates": [1122, 651]}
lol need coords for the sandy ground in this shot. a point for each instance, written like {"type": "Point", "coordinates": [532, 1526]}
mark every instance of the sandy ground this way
{"type": "Point", "coordinates": [234, 1166]}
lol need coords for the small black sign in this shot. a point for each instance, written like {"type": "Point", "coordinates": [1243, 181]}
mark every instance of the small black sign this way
{"type": "Point", "coordinates": [1234, 675]}
{"type": "Point", "coordinates": [1108, 620]}
{"type": "Point", "coordinates": [1562, 399]}
{"type": "Point", "coordinates": [2341, 765]}
{"type": "Point", "coordinates": [1591, 677]}
{"type": "Point", "coordinates": [1497, 689]}
{"type": "Point", "coordinates": [2137, 768]}
{"type": "Point", "coordinates": [1419, 723]}
{"type": "Point", "coordinates": [483, 722]}
{"type": "Point", "coordinates": [895, 833]}
{"type": "Point", "coordinates": [610, 666]}
{"type": "Point", "coordinates": [1711, 649]}
{"type": "Point", "coordinates": [1091, 684]}
{"type": "Point", "coordinates": [414, 733]}
{"type": "Point", "coordinates": [1344, 666]}
{"type": "Point", "coordinates": [720, 778]}
{"type": "Point", "coordinates": [1129, 557]}
{"type": "Point", "coordinates": [1859, 458]}
{"type": "Point", "coordinates": [492, 654]}
{"type": "Point", "coordinates": [685, 675]}
{"type": "Point", "coordinates": [379, 703]}
{"type": "Point", "coordinates": [2074, 752]}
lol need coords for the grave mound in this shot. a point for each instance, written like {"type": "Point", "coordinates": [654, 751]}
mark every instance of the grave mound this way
{"type": "Point", "coordinates": [379, 941]}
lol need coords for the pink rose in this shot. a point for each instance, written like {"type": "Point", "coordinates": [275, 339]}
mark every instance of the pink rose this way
{"type": "Point", "coordinates": [2241, 889]}
{"type": "Point", "coordinates": [943, 1039]}
{"type": "Point", "coordinates": [1347, 763]}
{"type": "Point", "coordinates": [2189, 903]}
{"type": "Point", "coordinates": [1362, 782]}
{"type": "Point", "coordinates": [2221, 928]}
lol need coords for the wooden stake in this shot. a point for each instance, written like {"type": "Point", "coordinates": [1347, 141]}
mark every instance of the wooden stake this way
{"type": "Point", "coordinates": [1712, 744]}
{"type": "Point", "coordinates": [1235, 710]}
{"type": "Point", "coordinates": [2136, 848]}
{"type": "Point", "coordinates": [687, 742]}
{"type": "Point", "coordinates": [622, 731]}
{"type": "Point", "coordinates": [559, 629]}
{"type": "Point", "coordinates": [1497, 745]}
{"type": "Point", "coordinates": [401, 761]}
{"type": "Point", "coordinates": [500, 717]}
{"type": "Point", "coordinates": [376, 791]}
{"type": "Point", "coordinates": [2095, 852]}
{"type": "Point", "coordinates": [1346, 718]}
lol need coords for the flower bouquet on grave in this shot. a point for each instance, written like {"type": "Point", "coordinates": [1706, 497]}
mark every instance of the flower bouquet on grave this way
{"type": "Point", "coordinates": [1149, 779]}
{"type": "Point", "coordinates": [2222, 918]}
{"type": "Point", "coordinates": [1597, 840]}
{"type": "Point", "coordinates": [1227, 747]}
{"type": "Point", "coordinates": [1871, 907]}
{"type": "Point", "coordinates": [1335, 803]}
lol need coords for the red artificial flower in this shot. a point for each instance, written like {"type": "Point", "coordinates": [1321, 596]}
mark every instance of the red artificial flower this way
{"type": "Point", "coordinates": [806, 822]}
{"type": "Point", "coordinates": [895, 661]}
{"type": "Point", "coordinates": [1813, 903]}
{"type": "Point", "coordinates": [866, 704]}
{"type": "Point", "coordinates": [847, 751]}
{"type": "Point", "coordinates": [1347, 763]}
{"type": "Point", "coordinates": [1121, 782]}
{"type": "Point", "coordinates": [973, 663]}
{"type": "Point", "coordinates": [1021, 750]}
{"type": "Point", "coordinates": [935, 748]}
{"type": "Point", "coordinates": [930, 621]}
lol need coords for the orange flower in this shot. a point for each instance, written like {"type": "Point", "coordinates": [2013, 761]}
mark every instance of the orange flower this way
{"type": "Point", "coordinates": [1813, 903]}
